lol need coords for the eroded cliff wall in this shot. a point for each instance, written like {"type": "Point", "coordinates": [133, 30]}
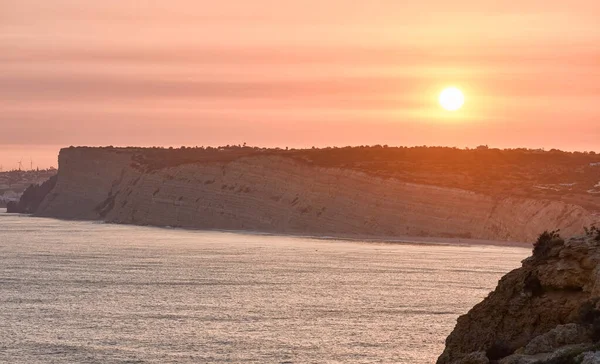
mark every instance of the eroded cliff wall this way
{"type": "Point", "coordinates": [546, 312]}
{"type": "Point", "coordinates": [85, 178]}
{"type": "Point", "coordinates": [279, 194]}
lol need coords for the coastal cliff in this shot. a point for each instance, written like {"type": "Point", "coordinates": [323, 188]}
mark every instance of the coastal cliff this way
{"type": "Point", "coordinates": [546, 312]}
{"type": "Point", "coordinates": [280, 193]}
{"type": "Point", "coordinates": [32, 197]}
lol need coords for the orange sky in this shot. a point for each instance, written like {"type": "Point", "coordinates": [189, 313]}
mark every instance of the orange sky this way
{"type": "Point", "coordinates": [296, 73]}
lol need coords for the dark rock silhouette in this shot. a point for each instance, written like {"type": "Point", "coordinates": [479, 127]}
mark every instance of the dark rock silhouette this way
{"type": "Point", "coordinates": [547, 311]}
{"type": "Point", "coordinates": [32, 197]}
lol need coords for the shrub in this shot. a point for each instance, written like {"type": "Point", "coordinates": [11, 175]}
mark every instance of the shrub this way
{"type": "Point", "coordinates": [592, 232]}
{"type": "Point", "coordinates": [545, 242]}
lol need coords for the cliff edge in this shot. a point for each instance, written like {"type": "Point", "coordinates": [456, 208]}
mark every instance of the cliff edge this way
{"type": "Point", "coordinates": [547, 311]}
{"type": "Point", "coordinates": [293, 192]}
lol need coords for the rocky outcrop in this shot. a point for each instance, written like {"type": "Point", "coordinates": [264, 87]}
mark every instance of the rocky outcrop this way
{"type": "Point", "coordinates": [272, 193]}
{"type": "Point", "coordinates": [547, 311]}
{"type": "Point", "coordinates": [32, 197]}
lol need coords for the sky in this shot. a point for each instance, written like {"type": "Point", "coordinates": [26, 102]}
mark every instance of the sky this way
{"type": "Point", "coordinates": [296, 73]}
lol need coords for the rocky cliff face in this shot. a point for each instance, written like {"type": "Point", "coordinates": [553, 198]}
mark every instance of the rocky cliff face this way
{"type": "Point", "coordinates": [283, 195]}
{"type": "Point", "coordinates": [32, 197]}
{"type": "Point", "coordinates": [547, 311]}
{"type": "Point", "coordinates": [86, 176]}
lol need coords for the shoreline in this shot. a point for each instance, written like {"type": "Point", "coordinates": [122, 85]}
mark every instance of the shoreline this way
{"type": "Point", "coordinates": [355, 238]}
{"type": "Point", "coordinates": [386, 240]}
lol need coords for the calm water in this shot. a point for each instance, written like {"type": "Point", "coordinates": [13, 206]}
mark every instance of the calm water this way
{"type": "Point", "coordinates": [83, 292]}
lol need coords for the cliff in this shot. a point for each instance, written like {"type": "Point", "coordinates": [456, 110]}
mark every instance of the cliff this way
{"type": "Point", "coordinates": [547, 311]}
{"type": "Point", "coordinates": [287, 193]}
{"type": "Point", "coordinates": [32, 197]}
{"type": "Point", "coordinates": [16, 182]}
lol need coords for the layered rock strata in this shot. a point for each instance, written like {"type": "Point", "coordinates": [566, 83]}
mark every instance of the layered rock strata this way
{"type": "Point", "coordinates": [282, 195]}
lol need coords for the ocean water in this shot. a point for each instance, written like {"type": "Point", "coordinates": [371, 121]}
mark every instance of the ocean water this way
{"type": "Point", "coordinates": [86, 292]}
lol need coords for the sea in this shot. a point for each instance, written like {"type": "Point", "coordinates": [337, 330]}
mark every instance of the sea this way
{"type": "Point", "coordinates": [90, 292]}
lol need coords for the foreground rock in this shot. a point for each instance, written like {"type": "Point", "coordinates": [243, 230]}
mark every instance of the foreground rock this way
{"type": "Point", "coordinates": [273, 192]}
{"type": "Point", "coordinates": [547, 311]}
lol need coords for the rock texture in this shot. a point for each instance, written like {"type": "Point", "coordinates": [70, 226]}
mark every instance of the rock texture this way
{"type": "Point", "coordinates": [547, 311]}
{"type": "Point", "coordinates": [283, 195]}
{"type": "Point", "coordinates": [32, 197]}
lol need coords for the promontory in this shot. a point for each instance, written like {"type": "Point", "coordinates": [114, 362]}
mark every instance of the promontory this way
{"type": "Point", "coordinates": [375, 191]}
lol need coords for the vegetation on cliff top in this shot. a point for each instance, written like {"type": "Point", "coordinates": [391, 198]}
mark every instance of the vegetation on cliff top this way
{"type": "Point", "coordinates": [545, 242]}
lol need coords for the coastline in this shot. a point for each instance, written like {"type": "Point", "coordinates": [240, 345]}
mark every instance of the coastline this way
{"type": "Point", "coordinates": [355, 238]}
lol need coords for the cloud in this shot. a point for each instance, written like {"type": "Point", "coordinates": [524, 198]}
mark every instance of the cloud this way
{"type": "Point", "coordinates": [571, 54]}
{"type": "Point", "coordinates": [72, 88]}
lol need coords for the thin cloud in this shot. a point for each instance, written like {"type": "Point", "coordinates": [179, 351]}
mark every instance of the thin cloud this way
{"type": "Point", "coordinates": [579, 55]}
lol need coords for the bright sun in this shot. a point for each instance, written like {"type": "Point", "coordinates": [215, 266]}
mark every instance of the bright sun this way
{"type": "Point", "coordinates": [451, 99]}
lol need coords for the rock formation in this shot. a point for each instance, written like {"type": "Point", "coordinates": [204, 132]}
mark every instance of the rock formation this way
{"type": "Point", "coordinates": [547, 311]}
{"type": "Point", "coordinates": [278, 194]}
{"type": "Point", "coordinates": [32, 197]}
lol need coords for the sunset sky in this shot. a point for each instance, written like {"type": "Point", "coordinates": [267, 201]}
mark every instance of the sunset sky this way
{"type": "Point", "coordinates": [296, 73]}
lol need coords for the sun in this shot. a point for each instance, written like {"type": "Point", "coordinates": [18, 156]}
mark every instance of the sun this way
{"type": "Point", "coordinates": [451, 99]}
